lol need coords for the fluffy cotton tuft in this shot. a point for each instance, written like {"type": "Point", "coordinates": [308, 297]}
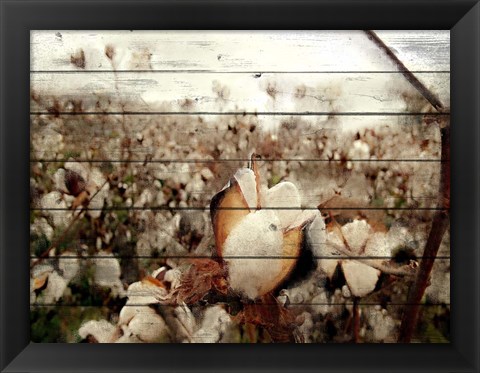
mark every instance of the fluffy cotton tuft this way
{"type": "Point", "coordinates": [257, 235]}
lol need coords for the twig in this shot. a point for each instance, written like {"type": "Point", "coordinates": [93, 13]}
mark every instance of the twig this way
{"type": "Point", "coordinates": [400, 271]}
{"type": "Point", "coordinates": [419, 86]}
{"type": "Point", "coordinates": [441, 218]}
{"type": "Point", "coordinates": [356, 320]}
{"type": "Point", "coordinates": [439, 226]}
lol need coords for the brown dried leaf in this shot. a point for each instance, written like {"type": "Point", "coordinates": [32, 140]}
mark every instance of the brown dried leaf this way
{"type": "Point", "coordinates": [199, 279]}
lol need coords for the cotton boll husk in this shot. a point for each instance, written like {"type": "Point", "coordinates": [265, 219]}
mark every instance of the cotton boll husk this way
{"type": "Point", "coordinates": [360, 278]}
{"type": "Point", "coordinates": [284, 194]}
{"type": "Point", "coordinates": [101, 330]}
{"type": "Point", "coordinates": [257, 235]}
{"type": "Point", "coordinates": [77, 167]}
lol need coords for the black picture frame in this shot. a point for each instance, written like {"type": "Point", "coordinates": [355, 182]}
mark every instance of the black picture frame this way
{"type": "Point", "coordinates": [18, 17]}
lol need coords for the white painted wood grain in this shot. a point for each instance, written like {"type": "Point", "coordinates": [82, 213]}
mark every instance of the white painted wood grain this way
{"type": "Point", "coordinates": [225, 51]}
{"type": "Point", "coordinates": [212, 92]}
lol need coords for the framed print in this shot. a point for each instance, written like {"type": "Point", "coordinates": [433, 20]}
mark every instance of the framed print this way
{"type": "Point", "coordinates": [197, 185]}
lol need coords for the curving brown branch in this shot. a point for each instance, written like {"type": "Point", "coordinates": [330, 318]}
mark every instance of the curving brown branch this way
{"type": "Point", "coordinates": [441, 217]}
{"type": "Point", "coordinates": [440, 224]}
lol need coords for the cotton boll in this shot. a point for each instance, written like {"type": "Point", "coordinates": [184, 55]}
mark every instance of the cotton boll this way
{"type": "Point", "coordinates": [257, 235]}
{"type": "Point", "coordinates": [69, 266]}
{"type": "Point", "coordinates": [101, 330]}
{"type": "Point", "coordinates": [40, 226]}
{"type": "Point", "coordinates": [77, 167]}
{"type": "Point", "coordinates": [148, 326]}
{"type": "Point", "coordinates": [361, 278]}
{"type": "Point", "coordinates": [55, 288]}
{"type": "Point", "coordinates": [382, 324]}
{"type": "Point", "coordinates": [107, 273]}
{"type": "Point", "coordinates": [56, 208]}
{"type": "Point", "coordinates": [216, 323]}
{"type": "Point", "coordinates": [141, 292]}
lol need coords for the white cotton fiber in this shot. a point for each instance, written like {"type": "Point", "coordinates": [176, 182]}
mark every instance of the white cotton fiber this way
{"type": "Point", "coordinates": [246, 179]}
{"type": "Point", "coordinates": [286, 195]}
{"type": "Point", "coordinates": [356, 234]}
{"type": "Point", "coordinates": [360, 278]}
{"type": "Point", "coordinates": [258, 235]}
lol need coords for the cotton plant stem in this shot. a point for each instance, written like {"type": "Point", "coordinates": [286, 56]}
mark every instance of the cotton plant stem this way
{"type": "Point", "coordinates": [441, 218]}
{"type": "Point", "coordinates": [374, 263]}
{"type": "Point", "coordinates": [440, 224]}
{"type": "Point", "coordinates": [417, 84]}
{"type": "Point", "coordinates": [356, 320]}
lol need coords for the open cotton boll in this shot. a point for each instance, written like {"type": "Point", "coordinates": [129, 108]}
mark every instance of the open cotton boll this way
{"type": "Point", "coordinates": [257, 235]}
{"type": "Point", "coordinates": [360, 278]}
{"type": "Point", "coordinates": [149, 327]}
{"type": "Point", "coordinates": [286, 195]}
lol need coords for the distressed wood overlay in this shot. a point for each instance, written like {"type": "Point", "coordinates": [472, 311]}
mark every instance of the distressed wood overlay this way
{"type": "Point", "coordinates": [243, 51]}
{"type": "Point", "coordinates": [150, 113]}
{"type": "Point", "coordinates": [217, 93]}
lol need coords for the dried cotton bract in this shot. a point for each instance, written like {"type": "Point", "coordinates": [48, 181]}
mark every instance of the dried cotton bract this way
{"type": "Point", "coordinates": [258, 231]}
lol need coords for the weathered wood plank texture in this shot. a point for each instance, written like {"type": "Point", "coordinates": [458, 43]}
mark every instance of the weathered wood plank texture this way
{"type": "Point", "coordinates": [154, 123]}
{"type": "Point", "coordinates": [256, 51]}
{"type": "Point", "coordinates": [213, 92]}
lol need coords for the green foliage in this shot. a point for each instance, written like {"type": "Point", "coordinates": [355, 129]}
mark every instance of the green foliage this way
{"type": "Point", "coordinates": [39, 244]}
